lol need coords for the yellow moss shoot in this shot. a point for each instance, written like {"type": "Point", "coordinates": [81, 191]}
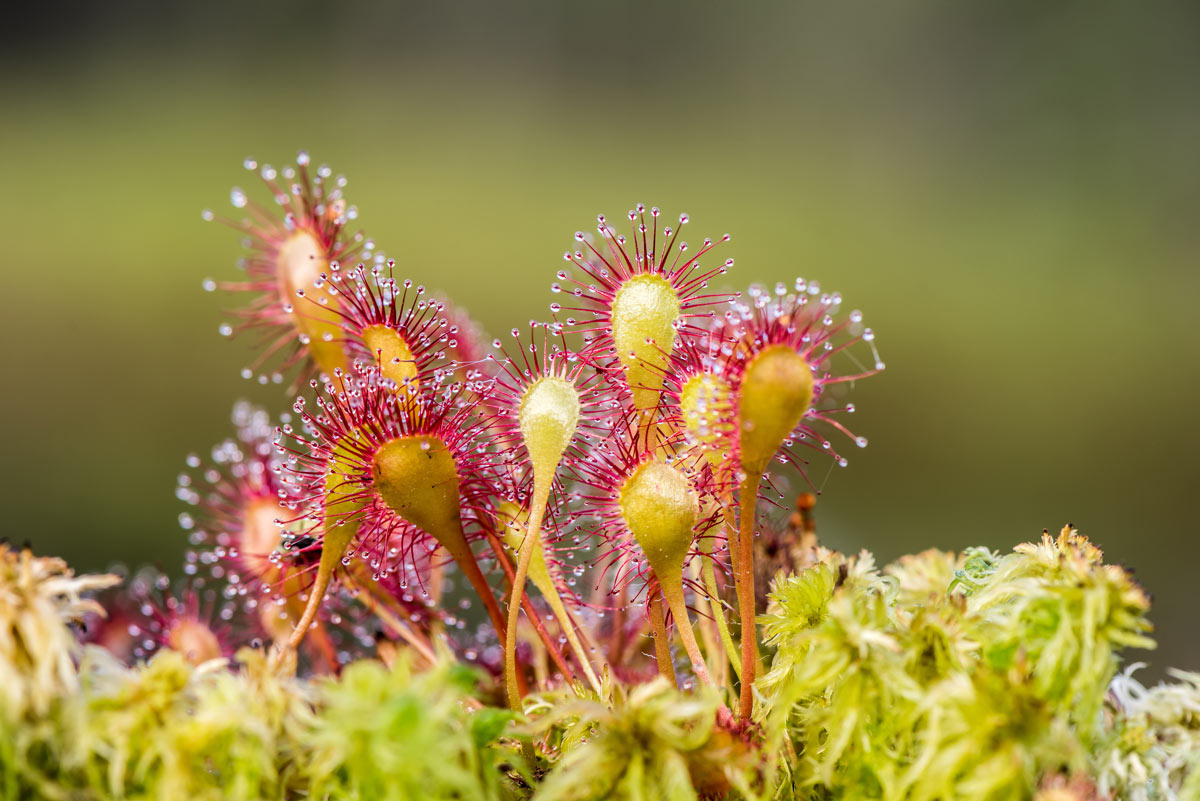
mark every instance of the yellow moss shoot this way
{"type": "Point", "coordinates": [644, 313]}
{"type": "Point", "coordinates": [299, 266]}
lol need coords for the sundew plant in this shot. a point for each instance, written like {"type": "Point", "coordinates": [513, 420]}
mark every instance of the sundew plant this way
{"type": "Point", "coordinates": [570, 563]}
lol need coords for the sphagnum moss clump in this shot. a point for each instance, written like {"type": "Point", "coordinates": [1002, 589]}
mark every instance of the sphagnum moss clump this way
{"type": "Point", "coordinates": [550, 572]}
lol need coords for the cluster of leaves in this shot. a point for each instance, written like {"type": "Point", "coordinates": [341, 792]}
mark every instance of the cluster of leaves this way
{"type": "Point", "coordinates": [633, 442]}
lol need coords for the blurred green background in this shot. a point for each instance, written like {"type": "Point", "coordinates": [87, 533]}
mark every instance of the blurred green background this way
{"type": "Point", "coordinates": [1008, 190]}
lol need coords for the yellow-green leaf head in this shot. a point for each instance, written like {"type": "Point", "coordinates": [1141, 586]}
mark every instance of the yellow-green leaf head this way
{"type": "Point", "coordinates": [661, 509]}
{"type": "Point", "coordinates": [639, 293]}
{"type": "Point", "coordinates": [701, 400]}
{"type": "Point", "coordinates": [782, 368]}
{"type": "Point", "coordinates": [185, 620]}
{"type": "Point", "coordinates": [393, 327]}
{"type": "Point", "coordinates": [402, 475]}
{"type": "Point", "coordinates": [543, 405]}
{"type": "Point", "coordinates": [292, 252]}
{"type": "Point", "coordinates": [651, 505]}
{"type": "Point", "coordinates": [549, 417]}
{"type": "Point", "coordinates": [1085, 611]}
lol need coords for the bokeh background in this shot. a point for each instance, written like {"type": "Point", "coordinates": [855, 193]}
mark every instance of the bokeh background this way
{"type": "Point", "coordinates": [1009, 190]}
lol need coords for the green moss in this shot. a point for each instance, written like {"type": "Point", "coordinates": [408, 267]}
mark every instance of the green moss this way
{"type": "Point", "coordinates": [944, 676]}
{"type": "Point", "coordinates": [973, 676]}
{"type": "Point", "coordinates": [1150, 749]}
{"type": "Point", "coordinates": [653, 742]}
{"type": "Point", "coordinates": [390, 733]}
